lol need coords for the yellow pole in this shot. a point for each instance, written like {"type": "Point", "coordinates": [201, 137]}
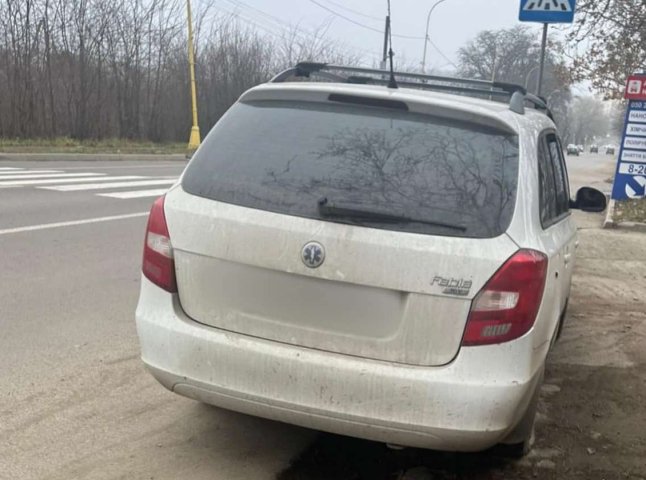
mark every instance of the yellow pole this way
{"type": "Point", "coordinates": [194, 140]}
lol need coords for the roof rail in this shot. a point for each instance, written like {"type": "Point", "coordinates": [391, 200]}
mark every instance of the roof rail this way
{"type": "Point", "coordinates": [516, 94]}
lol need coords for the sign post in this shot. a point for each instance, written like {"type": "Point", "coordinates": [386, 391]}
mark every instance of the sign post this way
{"type": "Point", "coordinates": [630, 176]}
{"type": "Point", "coordinates": [546, 12]}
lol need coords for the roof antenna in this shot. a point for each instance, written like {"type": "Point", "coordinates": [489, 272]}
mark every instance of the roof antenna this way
{"type": "Point", "coordinates": [392, 83]}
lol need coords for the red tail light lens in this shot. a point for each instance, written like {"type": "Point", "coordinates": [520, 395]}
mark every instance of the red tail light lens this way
{"type": "Point", "coordinates": [158, 265]}
{"type": "Point", "coordinates": [506, 307]}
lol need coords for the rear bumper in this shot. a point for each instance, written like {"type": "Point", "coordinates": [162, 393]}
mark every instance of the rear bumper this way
{"type": "Point", "coordinates": [469, 405]}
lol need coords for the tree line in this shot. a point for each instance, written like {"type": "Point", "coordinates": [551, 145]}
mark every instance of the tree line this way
{"type": "Point", "coordinates": [119, 68]}
{"type": "Point", "coordinates": [512, 55]}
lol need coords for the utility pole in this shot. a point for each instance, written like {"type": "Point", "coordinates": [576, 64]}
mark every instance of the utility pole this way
{"type": "Point", "coordinates": [194, 139]}
{"type": "Point", "coordinates": [542, 66]}
{"type": "Point", "coordinates": [385, 54]}
{"type": "Point", "coordinates": [529, 75]}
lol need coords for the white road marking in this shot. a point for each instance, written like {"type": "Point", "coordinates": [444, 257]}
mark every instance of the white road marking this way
{"type": "Point", "coordinates": [135, 194]}
{"type": "Point", "coordinates": [29, 172]}
{"type": "Point", "coordinates": [103, 186]}
{"type": "Point", "coordinates": [62, 180]}
{"type": "Point", "coordinates": [9, 168]}
{"type": "Point", "coordinates": [51, 175]}
{"type": "Point", "coordinates": [46, 226]}
{"type": "Point", "coordinates": [119, 167]}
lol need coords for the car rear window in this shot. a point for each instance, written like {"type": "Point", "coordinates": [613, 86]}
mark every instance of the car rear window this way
{"type": "Point", "coordinates": [285, 157]}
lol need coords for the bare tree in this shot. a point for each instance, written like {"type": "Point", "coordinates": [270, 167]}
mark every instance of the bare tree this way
{"type": "Point", "coordinates": [616, 33]}
{"type": "Point", "coordinates": [513, 55]}
{"type": "Point", "coordinates": [117, 68]}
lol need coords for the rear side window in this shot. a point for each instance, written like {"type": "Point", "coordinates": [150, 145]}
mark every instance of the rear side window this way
{"type": "Point", "coordinates": [554, 189]}
{"type": "Point", "coordinates": [285, 157]}
{"type": "Point", "coordinates": [560, 175]}
{"type": "Point", "coordinates": [547, 191]}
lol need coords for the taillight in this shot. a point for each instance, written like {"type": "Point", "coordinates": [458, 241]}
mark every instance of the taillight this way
{"type": "Point", "coordinates": [507, 305]}
{"type": "Point", "coordinates": [158, 265]}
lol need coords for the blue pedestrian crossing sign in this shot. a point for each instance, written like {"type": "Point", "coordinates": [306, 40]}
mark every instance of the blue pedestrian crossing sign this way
{"type": "Point", "coordinates": [547, 11]}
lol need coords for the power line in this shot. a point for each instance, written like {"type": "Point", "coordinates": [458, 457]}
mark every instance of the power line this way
{"type": "Point", "coordinates": [277, 23]}
{"type": "Point", "coordinates": [304, 34]}
{"type": "Point", "coordinates": [441, 53]}
{"type": "Point", "coordinates": [274, 26]}
{"type": "Point", "coordinates": [343, 7]}
{"type": "Point", "coordinates": [367, 27]}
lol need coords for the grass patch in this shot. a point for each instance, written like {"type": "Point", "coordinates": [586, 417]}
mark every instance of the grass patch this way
{"type": "Point", "coordinates": [70, 145]}
{"type": "Point", "coordinates": [630, 211]}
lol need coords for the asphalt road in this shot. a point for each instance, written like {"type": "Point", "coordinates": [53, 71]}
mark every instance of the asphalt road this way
{"type": "Point", "coordinates": [591, 170]}
{"type": "Point", "coordinates": [75, 401]}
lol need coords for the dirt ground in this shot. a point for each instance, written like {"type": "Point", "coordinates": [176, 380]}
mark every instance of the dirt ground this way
{"type": "Point", "coordinates": [592, 413]}
{"type": "Point", "coordinates": [630, 211]}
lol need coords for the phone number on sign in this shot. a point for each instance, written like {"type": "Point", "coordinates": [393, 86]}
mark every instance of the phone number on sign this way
{"type": "Point", "coordinates": [633, 168]}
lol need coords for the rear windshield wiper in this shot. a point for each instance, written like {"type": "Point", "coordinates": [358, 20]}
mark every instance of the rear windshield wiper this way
{"type": "Point", "coordinates": [327, 209]}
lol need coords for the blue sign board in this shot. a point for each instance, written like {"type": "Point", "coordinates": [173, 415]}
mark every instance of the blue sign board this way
{"type": "Point", "coordinates": [630, 178]}
{"type": "Point", "coordinates": [547, 11]}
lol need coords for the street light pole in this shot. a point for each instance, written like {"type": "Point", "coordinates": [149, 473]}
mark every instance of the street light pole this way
{"type": "Point", "coordinates": [529, 75]}
{"type": "Point", "coordinates": [194, 139]}
{"type": "Point", "coordinates": [428, 20]}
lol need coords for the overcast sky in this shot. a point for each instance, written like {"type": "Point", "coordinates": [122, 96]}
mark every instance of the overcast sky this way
{"type": "Point", "coordinates": [452, 24]}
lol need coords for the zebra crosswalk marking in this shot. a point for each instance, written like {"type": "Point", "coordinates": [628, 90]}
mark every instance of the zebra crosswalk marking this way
{"type": "Point", "coordinates": [135, 194]}
{"type": "Point", "coordinates": [14, 173]}
{"type": "Point", "coordinates": [53, 181]}
{"type": "Point", "coordinates": [103, 186]}
{"type": "Point", "coordinates": [137, 186]}
{"type": "Point", "coordinates": [51, 175]}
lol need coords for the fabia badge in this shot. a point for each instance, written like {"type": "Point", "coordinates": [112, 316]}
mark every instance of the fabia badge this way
{"type": "Point", "coordinates": [453, 286]}
{"type": "Point", "coordinates": [313, 255]}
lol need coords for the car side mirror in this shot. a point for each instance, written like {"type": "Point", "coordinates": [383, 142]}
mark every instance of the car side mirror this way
{"type": "Point", "coordinates": [589, 200]}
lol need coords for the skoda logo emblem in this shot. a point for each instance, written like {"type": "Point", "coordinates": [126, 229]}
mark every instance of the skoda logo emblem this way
{"type": "Point", "coordinates": [313, 255]}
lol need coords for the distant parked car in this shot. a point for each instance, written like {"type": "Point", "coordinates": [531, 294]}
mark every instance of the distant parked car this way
{"type": "Point", "coordinates": [581, 149]}
{"type": "Point", "coordinates": [610, 150]}
{"type": "Point", "coordinates": [594, 149]}
{"type": "Point", "coordinates": [572, 149]}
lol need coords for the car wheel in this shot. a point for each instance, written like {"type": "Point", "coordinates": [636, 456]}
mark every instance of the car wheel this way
{"type": "Point", "coordinates": [521, 440]}
{"type": "Point", "coordinates": [559, 330]}
{"type": "Point", "coordinates": [518, 450]}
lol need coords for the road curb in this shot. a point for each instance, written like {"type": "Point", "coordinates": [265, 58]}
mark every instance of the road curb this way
{"type": "Point", "coordinates": [609, 221]}
{"type": "Point", "coordinates": [610, 212]}
{"type": "Point", "coordinates": [91, 157]}
{"type": "Point", "coordinates": [632, 226]}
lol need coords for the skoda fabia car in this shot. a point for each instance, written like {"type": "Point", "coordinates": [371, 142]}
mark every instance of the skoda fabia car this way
{"type": "Point", "coordinates": [392, 264]}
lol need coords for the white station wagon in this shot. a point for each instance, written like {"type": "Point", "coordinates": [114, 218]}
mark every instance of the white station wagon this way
{"type": "Point", "coordinates": [392, 264]}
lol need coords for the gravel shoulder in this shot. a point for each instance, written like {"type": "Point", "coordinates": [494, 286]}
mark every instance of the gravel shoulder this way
{"type": "Point", "coordinates": [630, 211]}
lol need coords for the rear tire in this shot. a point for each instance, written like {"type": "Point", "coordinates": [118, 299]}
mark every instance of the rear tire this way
{"type": "Point", "coordinates": [562, 320]}
{"type": "Point", "coordinates": [521, 440]}
{"type": "Point", "coordinates": [517, 450]}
